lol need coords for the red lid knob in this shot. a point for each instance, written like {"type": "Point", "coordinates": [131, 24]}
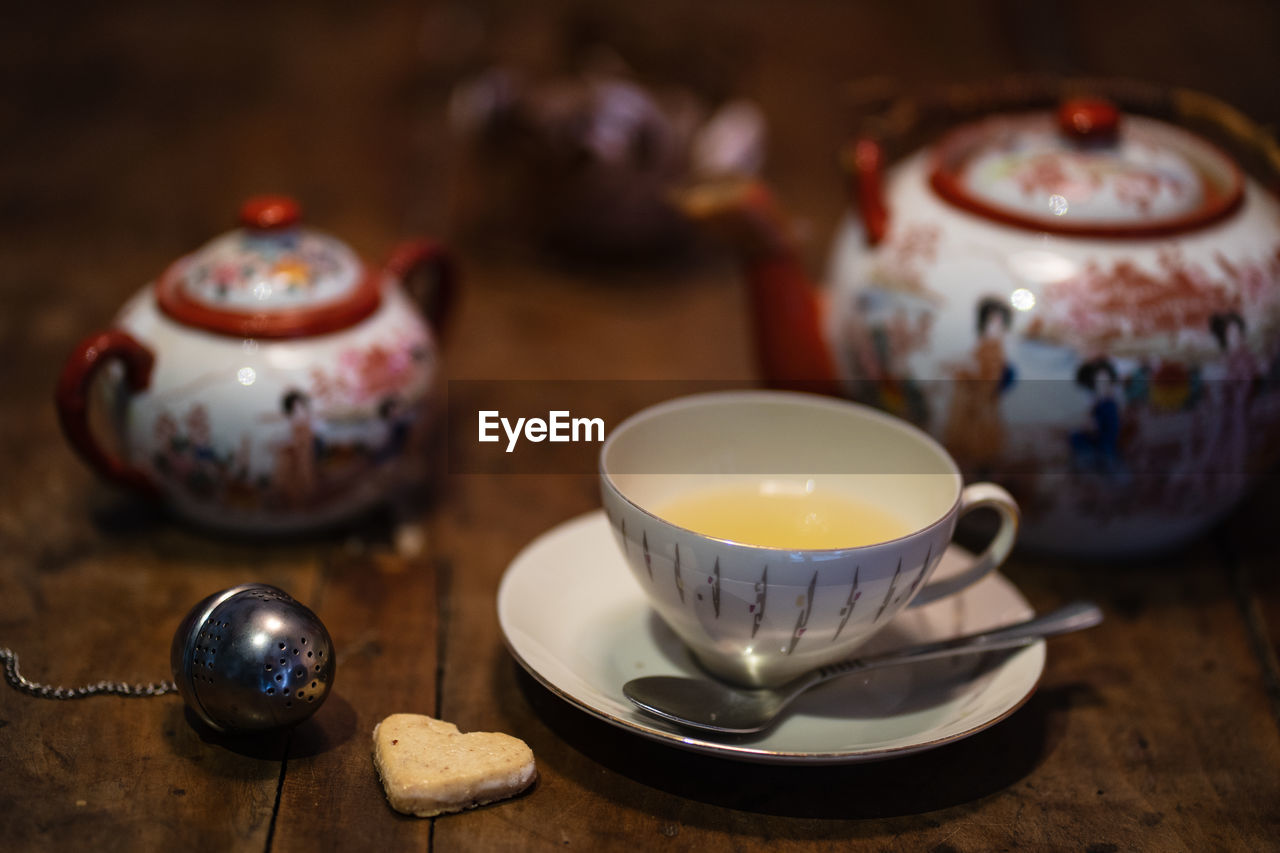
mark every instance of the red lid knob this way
{"type": "Point", "coordinates": [270, 212]}
{"type": "Point", "coordinates": [1089, 119]}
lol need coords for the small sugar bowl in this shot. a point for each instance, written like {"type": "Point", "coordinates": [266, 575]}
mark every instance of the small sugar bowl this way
{"type": "Point", "coordinates": [270, 381]}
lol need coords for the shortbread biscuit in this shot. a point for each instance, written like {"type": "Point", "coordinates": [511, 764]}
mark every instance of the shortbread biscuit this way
{"type": "Point", "coordinates": [428, 767]}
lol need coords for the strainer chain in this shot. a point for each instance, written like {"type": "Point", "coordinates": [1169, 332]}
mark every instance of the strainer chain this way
{"type": "Point", "coordinates": [49, 691]}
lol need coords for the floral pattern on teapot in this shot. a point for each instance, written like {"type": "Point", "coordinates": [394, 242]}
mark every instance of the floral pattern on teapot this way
{"type": "Point", "coordinates": [1172, 389]}
{"type": "Point", "coordinates": [1025, 168]}
{"type": "Point", "coordinates": [245, 268]}
{"type": "Point", "coordinates": [341, 427]}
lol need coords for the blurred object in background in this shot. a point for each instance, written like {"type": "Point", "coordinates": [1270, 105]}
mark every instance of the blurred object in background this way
{"type": "Point", "coordinates": [584, 163]}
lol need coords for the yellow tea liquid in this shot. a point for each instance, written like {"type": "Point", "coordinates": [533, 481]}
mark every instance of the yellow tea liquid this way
{"type": "Point", "coordinates": [775, 515]}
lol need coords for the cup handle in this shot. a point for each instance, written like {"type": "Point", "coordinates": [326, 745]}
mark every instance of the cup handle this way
{"type": "Point", "coordinates": [978, 496]}
{"type": "Point", "coordinates": [429, 275]}
{"type": "Point", "coordinates": [72, 399]}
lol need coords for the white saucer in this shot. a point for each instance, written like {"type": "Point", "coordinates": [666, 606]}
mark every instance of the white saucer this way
{"type": "Point", "coordinates": [575, 618]}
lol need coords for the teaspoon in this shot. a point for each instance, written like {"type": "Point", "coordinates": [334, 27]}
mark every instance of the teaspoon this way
{"type": "Point", "coordinates": [712, 705]}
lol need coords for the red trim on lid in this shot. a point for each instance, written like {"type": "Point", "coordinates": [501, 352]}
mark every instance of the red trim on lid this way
{"type": "Point", "coordinates": [270, 212]}
{"type": "Point", "coordinates": [952, 153]}
{"type": "Point", "coordinates": [289, 323]}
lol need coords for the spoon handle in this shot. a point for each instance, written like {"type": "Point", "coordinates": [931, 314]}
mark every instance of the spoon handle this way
{"type": "Point", "coordinates": [1072, 617]}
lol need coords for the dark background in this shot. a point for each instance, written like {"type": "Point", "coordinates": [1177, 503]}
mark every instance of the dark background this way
{"type": "Point", "coordinates": [129, 134]}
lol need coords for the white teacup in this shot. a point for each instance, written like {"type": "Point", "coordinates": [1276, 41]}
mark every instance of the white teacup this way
{"type": "Point", "coordinates": [759, 614]}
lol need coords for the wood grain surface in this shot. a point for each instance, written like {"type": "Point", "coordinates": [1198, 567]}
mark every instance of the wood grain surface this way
{"type": "Point", "coordinates": [130, 132]}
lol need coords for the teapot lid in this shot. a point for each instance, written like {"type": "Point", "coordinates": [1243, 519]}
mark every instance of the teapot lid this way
{"type": "Point", "coordinates": [271, 278]}
{"type": "Point", "coordinates": [1087, 171]}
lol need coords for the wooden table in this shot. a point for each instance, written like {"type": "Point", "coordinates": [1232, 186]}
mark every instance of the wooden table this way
{"type": "Point", "coordinates": [130, 132]}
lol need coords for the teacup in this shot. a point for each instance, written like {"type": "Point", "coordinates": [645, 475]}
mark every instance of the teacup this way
{"type": "Point", "coordinates": [758, 614]}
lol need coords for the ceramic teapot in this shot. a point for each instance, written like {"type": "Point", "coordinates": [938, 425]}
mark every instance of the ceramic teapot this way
{"type": "Point", "coordinates": [268, 382]}
{"type": "Point", "coordinates": [1082, 303]}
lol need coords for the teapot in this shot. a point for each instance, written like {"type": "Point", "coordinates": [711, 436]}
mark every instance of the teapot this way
{"type": "Point", "coordinates": [1081, 302]}
{"type": "Point", "coordinates": [268, 382]}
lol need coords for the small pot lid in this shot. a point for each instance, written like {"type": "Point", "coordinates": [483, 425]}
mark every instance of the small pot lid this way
{"type": "Point", "coordinates": [270, 278]}
{"type": "Point", "coordinates": [1087, 171]}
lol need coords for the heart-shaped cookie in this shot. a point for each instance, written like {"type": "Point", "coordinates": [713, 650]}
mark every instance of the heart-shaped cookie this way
{"type": "Point", "coordinates": [428, 767]}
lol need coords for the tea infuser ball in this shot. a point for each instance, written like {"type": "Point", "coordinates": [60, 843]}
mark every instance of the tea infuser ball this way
{"type": "Point", "coordinates": [251, 658]}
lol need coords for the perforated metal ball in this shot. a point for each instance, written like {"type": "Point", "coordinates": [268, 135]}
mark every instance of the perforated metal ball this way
{"type": "Point", "coordinates": [251, 658]}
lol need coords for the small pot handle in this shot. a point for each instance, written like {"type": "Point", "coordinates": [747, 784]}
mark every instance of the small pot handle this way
{"type": "Point", "coordinates": [72, 399]}
{"type": "Point", "coordinates": [977, 496]}
{"type": "Point", "coordinates": [429, 275]}
{"type": "Point", "coordinates": [865, 161]}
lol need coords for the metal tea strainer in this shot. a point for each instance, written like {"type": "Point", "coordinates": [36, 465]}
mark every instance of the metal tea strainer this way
{"type": "Point", "coordinates": [246, 659]}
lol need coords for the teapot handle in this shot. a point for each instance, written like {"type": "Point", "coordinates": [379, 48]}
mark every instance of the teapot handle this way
{"type": "Point", "coordinates": [72, 398]}
{"type": "Point", "coordinates": [865, 161]}
{"type": "Point", "coordinates": [429, 274]}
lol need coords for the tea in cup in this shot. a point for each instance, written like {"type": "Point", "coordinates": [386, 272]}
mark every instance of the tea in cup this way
{"type": "Point", "coordinates": [775, 532]}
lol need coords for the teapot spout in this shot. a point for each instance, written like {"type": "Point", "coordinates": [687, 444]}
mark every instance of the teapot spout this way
{"type": "Point", "coordinates": [786, 314]}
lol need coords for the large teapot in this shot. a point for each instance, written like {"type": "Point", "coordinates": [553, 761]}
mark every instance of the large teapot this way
{"type": "Point", "coordinates": [268, 382]}
{"type": "Point", "coordinates": [1081, 303]}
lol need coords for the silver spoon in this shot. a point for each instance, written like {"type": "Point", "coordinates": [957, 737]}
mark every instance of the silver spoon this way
{"type": "Point", "coordinates": [704, 704]}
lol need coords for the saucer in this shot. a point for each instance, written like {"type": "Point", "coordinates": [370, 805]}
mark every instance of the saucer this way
{"type": "Point", "coordinates": [573, 616]}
